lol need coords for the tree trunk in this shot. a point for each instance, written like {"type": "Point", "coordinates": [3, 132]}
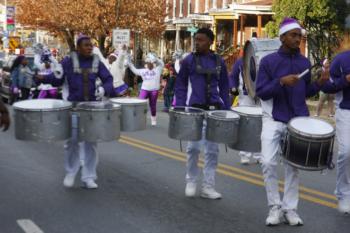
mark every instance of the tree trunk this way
{"type": "Point", "coordinates": [69, 37]}
{"type": "Point", "coordinates": [101, 44]}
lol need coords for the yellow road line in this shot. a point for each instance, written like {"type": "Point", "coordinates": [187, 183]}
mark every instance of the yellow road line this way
{"type": "Point", "coordinates": [225, 172]}
{"type": "Point", "coordinates": [231, 168]}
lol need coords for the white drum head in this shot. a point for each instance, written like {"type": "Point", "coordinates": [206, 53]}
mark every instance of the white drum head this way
{"type": "Point", "coordinates": [128, 101]}
{"type": "Point", "coordinates": [224, 114]}
{"type": "Point", "coordinates": [248, 110]}
{"type": "Point", "coordinates": [42, 104]}
{"type": "Point", "coordinates": [310, 125]}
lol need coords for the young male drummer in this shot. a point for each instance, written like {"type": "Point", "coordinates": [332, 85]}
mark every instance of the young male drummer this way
{"type": "Point", "coordinates": [195, 88]}
{"type": "Point", "coordinates": [283, 96]}
{"type": "Point", "coordinates": [79, 73]}
{"type": "Point", "coordinates": [238, 87]}
{"type": "Point", "coordinates": [340, 84]}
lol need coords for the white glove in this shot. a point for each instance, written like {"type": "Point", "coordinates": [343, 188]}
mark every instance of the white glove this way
{"type": "Point", "coordinates": [100, 93]}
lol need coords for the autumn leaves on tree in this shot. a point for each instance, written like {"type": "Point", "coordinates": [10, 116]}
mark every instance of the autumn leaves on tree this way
{"type": "Point", "coordinates": [96, 18]}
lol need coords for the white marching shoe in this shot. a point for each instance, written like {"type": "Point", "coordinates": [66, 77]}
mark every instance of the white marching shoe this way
{"type": "Point", "coordinates": [90, 184]}
{"type": "Point", "coordinates": [210, 193]}
{"type": "Point", "coordinates": [275, 215]}
{"type": "Point", "coordinates": [245, 160]}
{"type": "Point", "coordinates": [153, 120]}
{"type": "Point", "coordinates": [190, 190]}
{"type": "Point", "coordinates": [344, 206]}
{"type": "Point", "coordinates": [68, 181]}
{"type": "Point", "coordinates": [293, 218]}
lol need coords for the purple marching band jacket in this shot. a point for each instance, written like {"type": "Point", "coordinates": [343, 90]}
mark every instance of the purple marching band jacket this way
{"type": "Point", "coordinates": [339, 69]}
{"type": "Point", "coordinates": [73, 75]}
{"type": "Point", "coordinates": [287, 102]}
{"type": "Point", "coordinates": [191, 86]}
{"type": "Point", "coordinates": [234, 76]}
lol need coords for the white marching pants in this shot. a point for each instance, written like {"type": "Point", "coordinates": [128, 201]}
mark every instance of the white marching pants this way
{"type": "Point", "coordinates": [272, 133]}
{"type": "Point", "coordinates": [246, 100]}
{"type": "Point", "coordinates": [82, 154]}
{"type": "Point", "coordinates": [211, 152]}
{"type": "Point", "coordinates": [342, 117]}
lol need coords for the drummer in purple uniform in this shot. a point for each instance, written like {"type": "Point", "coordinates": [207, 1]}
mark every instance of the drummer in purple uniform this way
{"type": "Point", "coordinates": [339, 83]}
{"type": "Point", "coordinates": [78, 74]}
{"type": "Point", "coordinates": [196, 88]}
{"type": "Point", "coordinates": [283, 96]}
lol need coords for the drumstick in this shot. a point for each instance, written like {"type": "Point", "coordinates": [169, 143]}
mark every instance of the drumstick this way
{"type": "Point", "coordinates": [306, 71]}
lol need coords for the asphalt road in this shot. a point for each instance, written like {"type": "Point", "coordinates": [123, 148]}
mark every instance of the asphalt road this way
{"type": "Point", "coordinates": [141, 189]}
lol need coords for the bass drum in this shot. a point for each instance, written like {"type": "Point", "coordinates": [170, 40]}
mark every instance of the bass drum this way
{"type": "Point", "coordinates": [254, 51]}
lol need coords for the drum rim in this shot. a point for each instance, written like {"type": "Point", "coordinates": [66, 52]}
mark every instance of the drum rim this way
{"type": "Point", "coordinates": [200, 112]}
{"type": "Point", "coordinates": [292, 129]}
{"type": "Point", "coordinates": [210, 116]}
{"type": "Point", "coordinates": [305, 168]}
{"type": "Point", "coordinates": [246, 114]}
{"type": "Point", "coordinates": [43, 110]}
{"type": "Point", "coordinates": [143, 102]}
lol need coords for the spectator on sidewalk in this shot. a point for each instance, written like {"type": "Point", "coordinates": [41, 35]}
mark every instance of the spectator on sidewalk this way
{"type": "Point", "coordinates": [322, 100]}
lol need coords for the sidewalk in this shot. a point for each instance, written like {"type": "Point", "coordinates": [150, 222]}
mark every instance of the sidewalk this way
{"type": "Point", "coordinates": [324, 115]}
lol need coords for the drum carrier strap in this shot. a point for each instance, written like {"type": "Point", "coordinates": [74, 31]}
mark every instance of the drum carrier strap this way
{"type": "Point", "coordinates": [208, 76]}
{"type": "Point", "coordinates": [85, 72]}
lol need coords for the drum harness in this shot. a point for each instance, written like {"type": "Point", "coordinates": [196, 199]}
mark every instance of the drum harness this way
{"type": "Point", "coordinates": [85, 72]}
{"type": "Point", "coordinates": [208, 77]}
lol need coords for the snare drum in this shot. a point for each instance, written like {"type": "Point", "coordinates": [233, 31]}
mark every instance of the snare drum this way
{"type": "Point", "coordinates": [186, 123]}
{"type": "Point", "coordinates": [309, 143]}
{"type": "Point", "coordinates": [249, 130]}
{"type": "Point", "coordinates": [134, 113]}
{"type": "Point", "coordinates": [42, 120]}
{"type": "Point", "coordinates": [222, 127]}
{"type": "Point", "coordinates": [98, 121]}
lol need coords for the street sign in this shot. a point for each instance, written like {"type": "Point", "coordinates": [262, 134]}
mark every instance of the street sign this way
{"type": "Point", "coordinates": [121, 37]}
{"type": "Point", "coordinates": [192, 29]}
{"type": "Point", "coordinates": [14, 42]}
{"type": "Point", "coordinates": [10, 18]}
